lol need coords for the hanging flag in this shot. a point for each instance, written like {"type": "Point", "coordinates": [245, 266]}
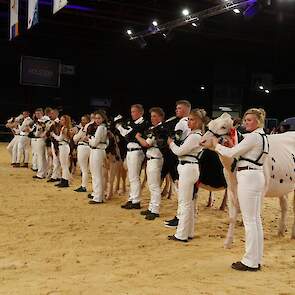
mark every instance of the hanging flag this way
{"type": "Point", "coordinates": [33, 14]}
{"type": "Point", "coordinates": [13, 19]}
{"type": "Point", "coordinates": [58, 5]}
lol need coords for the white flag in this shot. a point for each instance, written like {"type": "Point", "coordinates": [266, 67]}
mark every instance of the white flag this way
{"type": "Point", "coordinates": [58, 5]}
{"type": "Point", "coordinates": [33, 14]}
{"type": "Point", "coordinates": [13, 19]}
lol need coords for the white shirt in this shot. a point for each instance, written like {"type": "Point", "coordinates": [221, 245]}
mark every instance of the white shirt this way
{"type": "Point", "coordinates": [80, 136]}
{"type": "Point", "coordinates": [153, 150]}
{"type": "Point", "coordinates": [123, 131]}
{"type": "Point", "coordinates": [190, 146]}
{"type": "Point", "coordinates": [182, 125]}
{"type": "Point", "coordinates": [250, 147]}
{"type": "Point", "coordinates": [61, 137]}
{"type": "Point", "coordinates": [99, 140]}
{"type": "Point", "coordinates": [26, 123]}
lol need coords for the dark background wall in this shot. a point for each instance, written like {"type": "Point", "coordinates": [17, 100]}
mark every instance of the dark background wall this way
{"type": "Point", "coordinates": [157, 75]}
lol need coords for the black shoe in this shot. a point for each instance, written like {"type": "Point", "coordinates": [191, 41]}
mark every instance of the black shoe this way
{"type": "Point", "coordinates": [91, 202]}
{"type": "Point", "coordinates": [89, 196]}
{"type": "Point", "coordinates": [145, 212]}
{"type": "Point", "coordinates": [81, 189]}
{"type": "Point", "coordinates": [63, 183]}
{"type": "Point", "coordinates": [37, 177]}
{"type": "Point", "coordinates": [152, 216]}
{"type": "Point", "coordinates": [25, 165]}
{"type": "Point", "coordinates": [259, 266]}
{"type": "Point", "coordinates": [16, 165]}
{"type": "Point", "coordinates": [53, 180]}
{"type": "Point", "coordinates": [242, 267]}
{"type": "Point", "coordinates": [127, 204]}
{"type": "Point", "coordinates": [35, 170]}
{"type": "Point", "coordinates": [173, 223]}
{"type": "Point", "coordinates": [171, 220]}
{"type": "Point", "coordinates": [173, 238]}
{"type": "Point", "coordinates": [133, 206]}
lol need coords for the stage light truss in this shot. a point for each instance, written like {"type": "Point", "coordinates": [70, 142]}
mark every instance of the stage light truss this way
{"type": "Point", "coordinates": [226, 6]}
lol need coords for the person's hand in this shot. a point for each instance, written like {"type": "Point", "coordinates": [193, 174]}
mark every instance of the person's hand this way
{"type": "Point", "coordinates": [228, 142]}
{"type": "Point", "coordinates": [169, 140]}
{"type": "Point", "coordinates": [207, 143]}
{"type": "Point", "coordinates": [138, 135]}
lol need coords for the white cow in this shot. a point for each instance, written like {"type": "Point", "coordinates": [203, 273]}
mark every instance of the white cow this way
{"type": "Point", "coordinates": [279, 169]}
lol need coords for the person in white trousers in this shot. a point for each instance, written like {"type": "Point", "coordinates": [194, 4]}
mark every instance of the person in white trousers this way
{"type": "Point", "coordinates": [64, 149]}
{"type": "Point", "coordinates": [38, 141]}
{"type": "Point", "coordinates": [98, 144]}
{"type": "Point", "coordinates": [154, 164]}
{"type": "Point", "coordinates": [251, 153]}
{"type": "Point", "coordinates": [13, 125]}
{"type": "Point", "coordinates": [188, 168]}
{"type": "Point", "coordinates": [52, 146]}
{"type": "Point", "coordinates": [135, 155]}
{"type": "Point", "coordinates": [83, 152]}
{"type": "Point", "coordinates": [24, 141]}
{"type": "Point", "coordinates": [183, 108]}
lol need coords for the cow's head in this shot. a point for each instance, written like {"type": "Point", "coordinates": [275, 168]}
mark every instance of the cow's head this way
{"type": "Point", "coordinates": [221, 127]}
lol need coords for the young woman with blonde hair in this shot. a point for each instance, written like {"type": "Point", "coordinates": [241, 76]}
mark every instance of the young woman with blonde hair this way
{"type": "Point", "coordinates": [188, 168]}
{"type": "Point", "coordinates": [251, 153]}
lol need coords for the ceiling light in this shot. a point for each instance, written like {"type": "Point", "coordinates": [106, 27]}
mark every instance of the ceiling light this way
{"type": "Point", "coordinates": [155, 23]}
{"type": "Point", "coordinates": [185, 12]}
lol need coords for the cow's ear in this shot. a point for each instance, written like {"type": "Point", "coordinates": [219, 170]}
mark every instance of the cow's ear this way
{"type": "Point", "coordinates": [225, 116]}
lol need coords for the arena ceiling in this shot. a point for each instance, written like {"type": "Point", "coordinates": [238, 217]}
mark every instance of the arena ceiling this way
{"type": "Point", "coordinates": [103, 22]}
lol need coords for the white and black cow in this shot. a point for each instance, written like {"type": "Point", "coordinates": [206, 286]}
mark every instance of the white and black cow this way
{"type": "Point", "coordinates": [279, 169]}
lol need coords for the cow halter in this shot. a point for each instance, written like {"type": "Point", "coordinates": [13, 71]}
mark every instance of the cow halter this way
{"type": "Point", "coordinates": [217, 135]}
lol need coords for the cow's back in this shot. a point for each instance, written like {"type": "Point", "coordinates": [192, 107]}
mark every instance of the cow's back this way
{"type": "Point", "coordinates": [280, 164]}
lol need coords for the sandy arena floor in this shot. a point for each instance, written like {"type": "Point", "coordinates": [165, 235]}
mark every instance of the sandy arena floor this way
{"type": "Point", "coordinates": [53, 242]}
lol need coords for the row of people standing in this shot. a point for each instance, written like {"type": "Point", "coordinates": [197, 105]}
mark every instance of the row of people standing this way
{"type": "Point", "coordinates": [187, 146]}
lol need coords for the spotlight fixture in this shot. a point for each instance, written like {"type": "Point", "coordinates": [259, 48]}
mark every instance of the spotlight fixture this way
{"type": "Point", "coordinates": [185, 12]}
{"type": "Point", "coordinates": [155, 23]}
{"type": "Point", "coordinates": [194, 25]}
{"type": "Point", "coordinates": [129, 32]}
{"type": "Point", "coordinates": [266, 91]}
{"type": "Point", "coordinates": [236, 11]}
{"type": "Point", "coordinates": [202, 87]}
{"type": "Point", "coordinates": [261, 87]}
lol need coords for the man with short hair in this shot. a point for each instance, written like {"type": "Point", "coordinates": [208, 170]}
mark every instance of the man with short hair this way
{"type": "Point", "coordinates": [24, 140]}
{"type": "Point", "coordinates": [54, 127]}
{"type": "Point", "coordinates": [38, 142]}
{"type": "Point", "coordinates": [183, 108]}
{"type": "Point", "coordinates": [135, 154]}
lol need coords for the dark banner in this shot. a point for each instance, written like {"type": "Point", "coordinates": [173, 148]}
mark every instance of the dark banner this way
{"type": "Point", "coordinates": [37, 71]}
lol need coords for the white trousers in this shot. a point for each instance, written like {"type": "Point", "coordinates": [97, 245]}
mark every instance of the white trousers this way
{"type": "Point", "coordinates": [250, 189]}
{"type": "Point", "coordinates": [12, 148]}
{"type": "Point", "coordinates": [188, 176]}
{"type": "Point", "coordinates": [40, 150]}
{"type": "Point", "coordinates": [134, 163]}
{"type": "Point", "coordinates": [56, 170]}
{"type": "Point", "coordinates": [64, 152]}
{"type": "Point", "coordinates": [23, 149]}
{"type": "Point", "coordinates": [96, 161]}
{"type": "Point", "coordinates": [34, 153]}
{"type": "Point", "coordinates": [83, 154]}
{"type": "Point", "coordinates": [153, 171]}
